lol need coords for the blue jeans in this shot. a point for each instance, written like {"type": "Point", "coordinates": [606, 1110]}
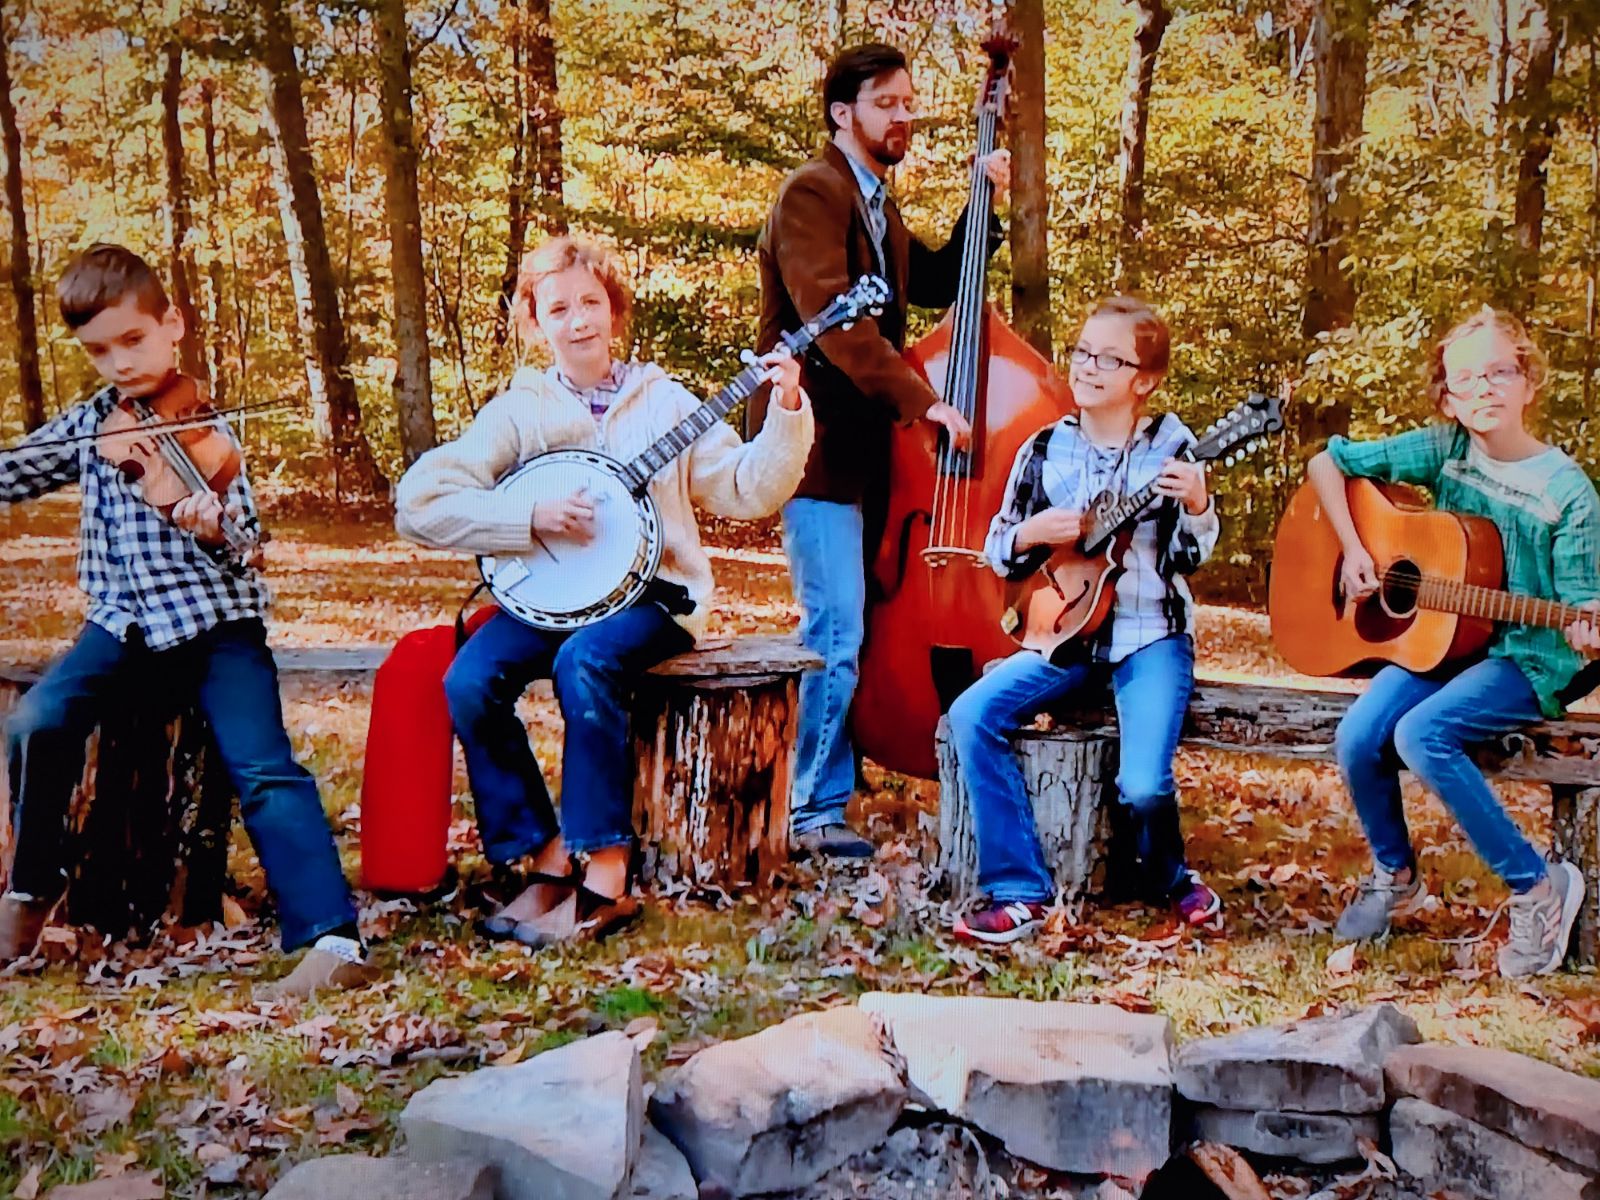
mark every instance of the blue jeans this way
{"type": "Point", "coordinates": [822, 539]}
{"type": "Point", "coordinates": [594, 670]}
{"type": "Point", "coordinates": [1425, 722]}
{"type": "Point", "coordinates": [1152, 687]}
{"type": "Point", "coordinates": [232, 674]}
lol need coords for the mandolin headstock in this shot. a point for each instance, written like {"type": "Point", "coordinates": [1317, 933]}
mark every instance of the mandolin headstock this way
{"type": "Point", "coordinates": [1243, 430]}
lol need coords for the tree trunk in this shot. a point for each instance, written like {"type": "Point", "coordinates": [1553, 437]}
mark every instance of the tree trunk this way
{"type": "Point", "coordinates": [1153, 21]}
{"type": "Point", "coordinates": [157, 843]}
{"type": "Point", "coordinates": [1340, 40]}
{"type": "Point", "coordinates": [215, 314]}
{"type": "Point", "coordinates": [714, 739]}
{"type": "Point", "coordinates": [1533, 137]}
{"type": "Point", "coordinates": [1030, 204]}
{"type": "Point", "coordinates": [30, 384]}
{"type": "Point", "coordinates": [537, 167]}
{"type": "Point", "coordinates": [413, 390]}
{"type": "Point", "coordinates": [316, 290]}
{"type": "Point", "coordinates": [1575, 837]}
{"type": "Point", "coordinates": [192, 350]}
{"type": "Point", "coordinates": [1071, 779]}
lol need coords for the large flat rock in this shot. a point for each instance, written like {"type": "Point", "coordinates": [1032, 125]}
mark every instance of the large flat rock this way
{"type": "Point", "coordinates": [778, 1110]}
{"type": "Point", "coordinates": [358, 1177]}
{"type": "Point", "coordinates": [1309, 1137]}
{"type": "Point", "coordinates": [1074, 1087]}
{"type": "Point", "coordinates": [1446, 1152]}
{"type": "Point", "coordinates": [1324, 1064]}
{"type": "Point", "coordinates": [1539, 1105]}
{"type": "Point", "coordinates": [562, 1126]}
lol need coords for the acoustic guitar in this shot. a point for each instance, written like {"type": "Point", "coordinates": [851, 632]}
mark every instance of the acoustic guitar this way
{"type": "Point", "coordinates": [1439, 593]}
{"type": "Point", "coordinates": [1071, 594]}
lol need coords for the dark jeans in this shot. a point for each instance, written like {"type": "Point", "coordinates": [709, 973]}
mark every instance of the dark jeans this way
{"type": "Point", "coordinates": [232, 674]}
{"type": "Point", "coordinates": [594, 670]}
{"type": "Point", "coordinates": [1152, 687]}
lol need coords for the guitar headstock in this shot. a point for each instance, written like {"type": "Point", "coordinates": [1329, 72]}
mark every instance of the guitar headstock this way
{"type": "Point", "coordinates": [1241, 431]}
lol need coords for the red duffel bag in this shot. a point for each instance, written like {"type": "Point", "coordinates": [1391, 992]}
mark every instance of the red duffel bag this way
{"type": "Point", "coordinates": [405, 784]}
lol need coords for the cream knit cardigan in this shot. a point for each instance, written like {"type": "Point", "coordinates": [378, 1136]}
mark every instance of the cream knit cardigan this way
{"type": "Point", "coordinates": [447, 499]}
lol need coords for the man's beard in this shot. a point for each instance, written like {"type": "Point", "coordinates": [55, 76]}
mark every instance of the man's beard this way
{"type": "Point", "coordinates": [886, 155]}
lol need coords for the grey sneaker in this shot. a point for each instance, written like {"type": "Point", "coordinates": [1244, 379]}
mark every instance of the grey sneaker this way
{"type": "Point", "coordinates": [1380, 898]}
{"type": "Point", "coordinates": [833, 841]}
{"type": "Point", "coordinates": [1541, 923]}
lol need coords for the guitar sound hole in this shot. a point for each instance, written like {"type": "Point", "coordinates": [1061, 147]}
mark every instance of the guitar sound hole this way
{"type": "Point", "coordinates": [1398, 589]}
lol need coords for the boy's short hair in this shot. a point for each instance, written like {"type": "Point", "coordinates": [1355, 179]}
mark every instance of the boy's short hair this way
{"type": "Point", "coordinates": [1535, 366]}
{"type": "Point", "coordinates": [102, 277]}
{"type": "Point", "coordinates": [556, 255]}
{"type": "Point", "coordinates": [852, 68]}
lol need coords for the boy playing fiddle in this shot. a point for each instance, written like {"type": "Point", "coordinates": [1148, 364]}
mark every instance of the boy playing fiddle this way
{"type": "Point", "coordinates": [176, 603]}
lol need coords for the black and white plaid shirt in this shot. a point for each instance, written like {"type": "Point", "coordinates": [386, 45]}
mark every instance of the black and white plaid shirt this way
{"type": "Point", "coordinates": [1060, 467]}
{"type": "Point", "coordinates": [137, 568]}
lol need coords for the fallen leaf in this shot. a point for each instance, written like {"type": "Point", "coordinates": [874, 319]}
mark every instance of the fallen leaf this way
{"type": "Point", "coordinates": [349, 1099]}
{"type": "Point", "coordinates": [1343, 960]}
{"type": "Point", "coordinates": [28, 1189]}
{"type": "Point", "coordinates": [146, 1185]}
{"type": "Point", "coordinates": [233, 915]}
{"type": "Point", "coordinates": [511, 1057]}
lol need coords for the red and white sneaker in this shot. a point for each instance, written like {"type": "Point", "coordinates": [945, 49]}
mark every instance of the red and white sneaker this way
{"type": "Point", "coordinates": [1001, 923]}
{"type": "Point", "coordinates": [1199, 906]}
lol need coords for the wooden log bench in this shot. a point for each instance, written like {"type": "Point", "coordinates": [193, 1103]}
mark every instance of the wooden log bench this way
{"type": "Point", "coordinates": [714, 732]}
{"type": "Point", "coordinates": [1071, 771]}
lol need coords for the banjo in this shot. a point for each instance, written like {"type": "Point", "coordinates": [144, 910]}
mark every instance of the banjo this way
{"type": "Point", "coordinates": [568, 584]}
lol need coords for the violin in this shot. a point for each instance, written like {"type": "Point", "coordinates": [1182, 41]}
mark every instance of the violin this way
{"type": "Point", "coordinates": [165, 444]}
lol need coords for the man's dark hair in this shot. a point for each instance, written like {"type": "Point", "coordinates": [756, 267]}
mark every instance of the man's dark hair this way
{"type": "Point", "coordinates": [851, 69]}
{"type": "Point", "coordinates": [102, 277]}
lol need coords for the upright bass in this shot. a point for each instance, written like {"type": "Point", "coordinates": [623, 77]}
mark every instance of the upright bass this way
{"type": "Point", "coordinates": [935, 621]}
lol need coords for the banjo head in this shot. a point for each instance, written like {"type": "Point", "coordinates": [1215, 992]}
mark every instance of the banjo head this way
{"type": "Point", "coordinates": [566, 584]}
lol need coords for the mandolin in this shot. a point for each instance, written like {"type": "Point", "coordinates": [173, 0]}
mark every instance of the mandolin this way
{"type": "Point", "coordinates": [1439, 593]}
{"type": "Point", "coordinates": [1070, 596]}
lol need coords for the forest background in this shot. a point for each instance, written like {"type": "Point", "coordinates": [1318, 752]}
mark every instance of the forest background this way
{"type": "Point", "coordinates": [1306, 188]}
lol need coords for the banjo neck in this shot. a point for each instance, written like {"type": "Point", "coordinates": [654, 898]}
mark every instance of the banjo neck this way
{"type": "Point", "coordinates": [638, 472]}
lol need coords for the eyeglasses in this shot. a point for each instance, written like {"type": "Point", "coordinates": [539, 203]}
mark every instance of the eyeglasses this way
{"type": "Point", "coordinates": [887, 104]}
{"type": "Point", "coordinates": [1106, 362]}
{"type": "Point", "coordinates": [1501, 375]}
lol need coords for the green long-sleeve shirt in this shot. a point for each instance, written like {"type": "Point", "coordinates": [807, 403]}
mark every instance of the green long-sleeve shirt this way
{"type": "Point", "coordinates": [1548, 515]}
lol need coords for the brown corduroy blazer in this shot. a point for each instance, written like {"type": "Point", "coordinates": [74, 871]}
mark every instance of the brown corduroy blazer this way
{"type": "Point", "coordinates": [815, 245]}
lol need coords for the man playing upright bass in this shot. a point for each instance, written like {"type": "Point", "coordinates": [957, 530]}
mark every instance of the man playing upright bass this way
{"type": "Point", "coordinates": [833, 222]}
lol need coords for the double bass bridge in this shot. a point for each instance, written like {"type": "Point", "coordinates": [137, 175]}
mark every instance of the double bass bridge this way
{"type": "Point", "coordinates": [944, 556]}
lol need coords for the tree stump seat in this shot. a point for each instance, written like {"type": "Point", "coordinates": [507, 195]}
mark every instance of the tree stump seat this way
{"type": "Point", "coordinates": [1070, 770]}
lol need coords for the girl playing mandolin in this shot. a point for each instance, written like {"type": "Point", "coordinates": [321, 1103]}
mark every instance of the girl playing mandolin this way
{"type": "Point", "coordinates": [1484, 376]}
{"type": "Point", "coordinates": [571, 294]}
{"type": "Point", "coordinates": [1144, 650]}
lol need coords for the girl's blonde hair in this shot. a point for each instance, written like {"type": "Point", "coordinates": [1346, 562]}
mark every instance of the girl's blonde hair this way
{"type": "Point", "coordinates": [556, 255]}
{"type": "Point", "coordinates": [1535, 367]}
{"type": "Point", "coordinates": [1152, 340]}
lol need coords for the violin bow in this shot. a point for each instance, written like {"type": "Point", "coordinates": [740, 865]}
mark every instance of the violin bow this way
{"type": "Point", "coordinates": [198, 421]}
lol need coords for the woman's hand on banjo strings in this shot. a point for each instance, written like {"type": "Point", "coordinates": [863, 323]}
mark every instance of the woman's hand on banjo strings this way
{"type": "Point", "coordinates": [571, 517]}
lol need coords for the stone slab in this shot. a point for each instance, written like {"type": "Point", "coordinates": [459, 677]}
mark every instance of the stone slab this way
{"type": "Point", "coordinates": [662, 1172]}
{"type": "Point", "coordinates": [564, 1125]}
{"type": "Point", "coordinates": [1085, 1088]}
{"type": "Point", "coordinates": [778, 1110]}
{"type": "Point", "coordinates": [1446, 1152]}
{"type": "Point", "coordinates": [1317, 1138]}
{"type": "Point", "coordinates": [1539, 1105]}
{"type": "Point", "coordinates": [359, 1177]}
{"type": "Point", "coordinates": [1324, 1064]}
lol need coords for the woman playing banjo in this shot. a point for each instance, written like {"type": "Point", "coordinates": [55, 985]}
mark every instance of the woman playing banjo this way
{"type": "Point", "coordinates": [570, 293]}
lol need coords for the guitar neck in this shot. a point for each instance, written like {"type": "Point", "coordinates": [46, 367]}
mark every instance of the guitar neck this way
{"type": "Point", "coordinates": [1491, 604]}
{"type": "Point", "coordinates": [680, 437]}
{"type": "Point", "coordinates": [1123, 511]}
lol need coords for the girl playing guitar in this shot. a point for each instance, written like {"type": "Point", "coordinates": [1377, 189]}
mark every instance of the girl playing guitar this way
{"type": "Point", "coordinates": [1484, 376]}
{"type": "Point", "coordinates": [571, 294]}
{"type": "Point", "coordinates": [1144, 651]}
